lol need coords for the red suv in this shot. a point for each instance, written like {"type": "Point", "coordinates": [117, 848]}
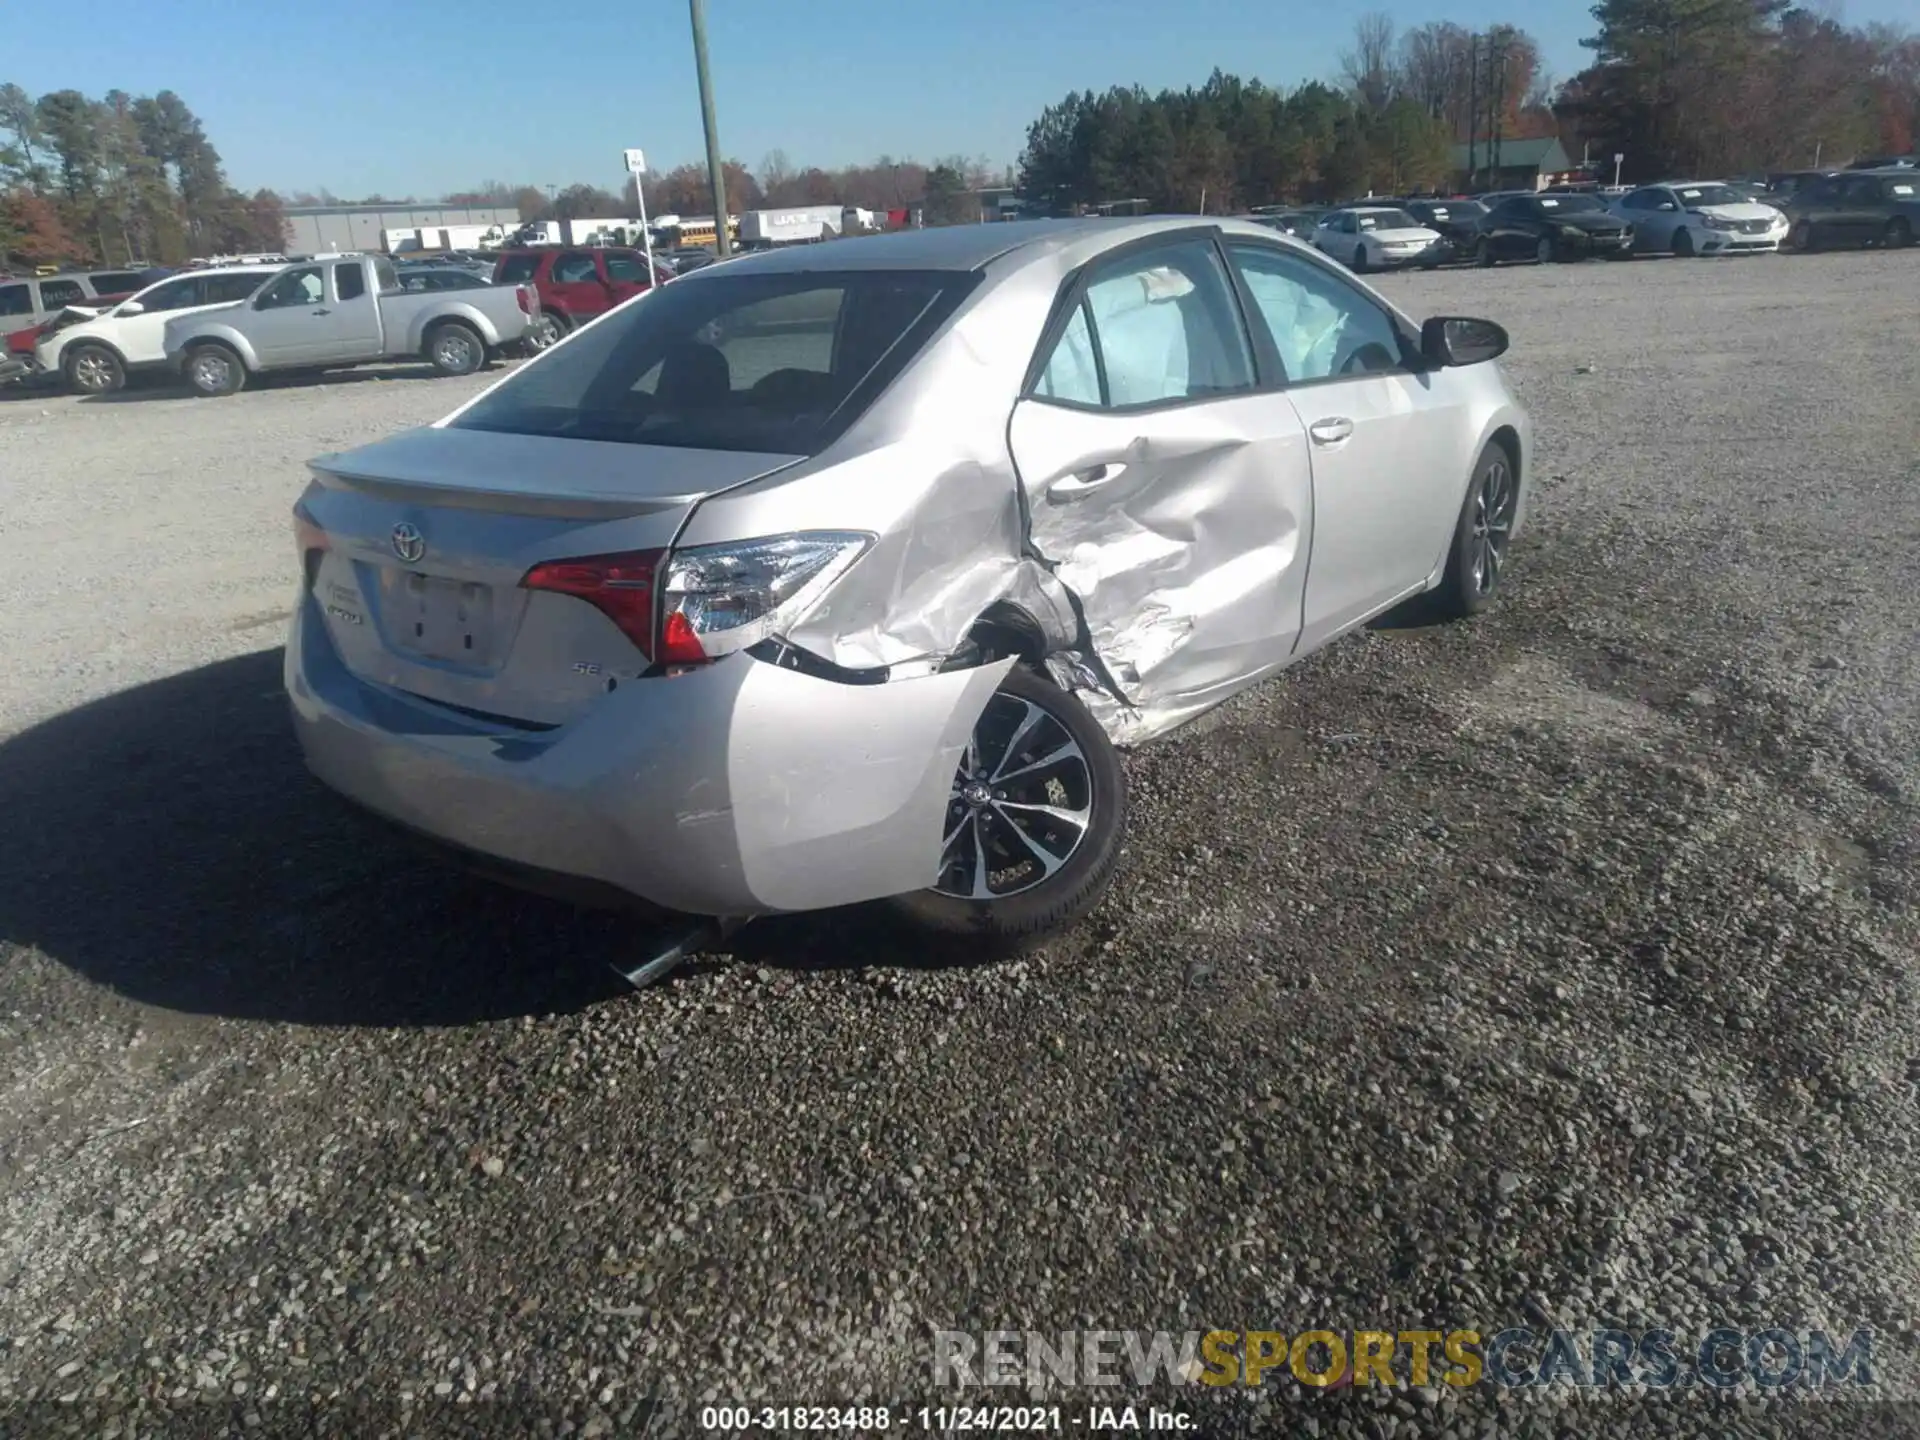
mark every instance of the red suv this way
{"type": "Point", "coordinates": [574, 285]}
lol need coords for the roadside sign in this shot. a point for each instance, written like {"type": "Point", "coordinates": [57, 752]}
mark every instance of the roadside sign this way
{"type": "Point", "coordinates": [636, 162]}
{"type": "Point", "coordinates": [1618, 158]}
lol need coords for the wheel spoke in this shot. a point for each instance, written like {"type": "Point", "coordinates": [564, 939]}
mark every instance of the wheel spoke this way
{"type": "Point", "coordinates": [1049, 862]}
{"type": "Point", "coordinates": [1067, 751]}
{"type": "Point", "coordinates": [1029, 722]}
{"type": "Point", "coordinates": [981, 890]}
{"type": "Point", "coordinates": [1079, 819]}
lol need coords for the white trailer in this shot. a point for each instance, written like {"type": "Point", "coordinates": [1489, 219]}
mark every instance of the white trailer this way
{"type": "Point", "coordinates": [791, 226]}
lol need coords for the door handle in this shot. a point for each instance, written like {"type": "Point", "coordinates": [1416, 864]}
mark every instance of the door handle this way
{"type": "Point", "coordinates": [1080, 482]}
{"type": "Point", "coordinates": [323, 312]}
{"type": "Point", "coordinates": [1330, 431]}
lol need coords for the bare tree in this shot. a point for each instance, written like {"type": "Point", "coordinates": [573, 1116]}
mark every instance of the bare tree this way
{"type": "Point", "coordinates": [1368, 68]}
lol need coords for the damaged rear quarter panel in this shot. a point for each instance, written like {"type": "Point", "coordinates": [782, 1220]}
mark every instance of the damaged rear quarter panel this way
{"type": "Point", "coordinates": [927, 473]}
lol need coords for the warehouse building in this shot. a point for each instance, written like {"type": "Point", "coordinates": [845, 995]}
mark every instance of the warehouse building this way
{"type": "Point", "coordinates": [318, 229]}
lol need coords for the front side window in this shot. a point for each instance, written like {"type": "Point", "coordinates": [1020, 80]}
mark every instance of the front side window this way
{"type": "Point", "coordinates": [772, 363]}
{"type": "Point", "coordinates": [174, 295]}
{"type": "Point", "coordinates": [572, 269]}
{"type": "Point", "coordinates": [349, 281]}
{"type": "Point", "coordinates": [1323, 327]}
{"type": "Point", "coordinates": [293, 289]}
{"type": "Point", "coordinates": [58, 294]}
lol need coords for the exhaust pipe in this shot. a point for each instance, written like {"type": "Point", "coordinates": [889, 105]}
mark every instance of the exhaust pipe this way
{"type": "Point", "coordinates": [687, 936]}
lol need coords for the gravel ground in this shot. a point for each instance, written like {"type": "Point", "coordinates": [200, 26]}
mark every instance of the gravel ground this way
{"type": "Point", "coordinates": [1560, 964]}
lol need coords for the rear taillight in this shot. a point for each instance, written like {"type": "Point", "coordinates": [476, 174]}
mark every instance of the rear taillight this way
{"type": "Point", "coordinates": [619, 586]}
{"type": "Point", "coordinates": [526, 299]}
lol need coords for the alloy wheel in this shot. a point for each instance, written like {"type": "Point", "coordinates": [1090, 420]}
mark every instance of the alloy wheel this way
{"type": "Point", "coordinates": [92, 371]}
{"type": "Point", "coordinates": [1021, 804]}
{"type": "Point", "coordinates": [1493, 507]}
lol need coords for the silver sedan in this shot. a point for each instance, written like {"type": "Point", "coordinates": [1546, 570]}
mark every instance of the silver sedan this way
{"type": "Point", "coordinates": [838, 573]}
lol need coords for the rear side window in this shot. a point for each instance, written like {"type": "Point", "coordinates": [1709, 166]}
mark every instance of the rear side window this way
{"type": "Point", "coordinates": [572, 269]}
{"type": "Point", "coordinates": [225, 289]}
{"type": "Point", "coordinates": [1163, 328]}
{"type": "Point", "coordinates": [58, 294]}
{"type": "Point", "coordinates": [628, 268]}
{"type": "Point", "coordinates": [516, 269]}
{"type": "Point", "coordinates": [350, 281]}
{"type": "Point", "coordinates": [16, 300]}
{"type": "Point", "coordinates": [775, 363]}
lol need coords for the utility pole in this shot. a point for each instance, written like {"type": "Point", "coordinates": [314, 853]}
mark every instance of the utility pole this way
{"type": "Point", "coordinates": [1473, 109]}
{"type": "Point", "coordinates": [716, 169]}
{"type": "Point", "coordinates": [1497, 82]}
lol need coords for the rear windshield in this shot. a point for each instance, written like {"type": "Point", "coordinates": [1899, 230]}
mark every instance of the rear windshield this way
{"type": "Point", "coordinates": [773, 363]}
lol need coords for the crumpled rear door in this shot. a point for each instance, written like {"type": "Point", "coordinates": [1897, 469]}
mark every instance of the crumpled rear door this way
{"type": "Point", "coordinates": [1183, 533]}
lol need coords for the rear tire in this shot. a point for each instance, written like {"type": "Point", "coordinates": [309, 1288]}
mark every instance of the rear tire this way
{"type": "Point", "coordinates": [1483, 253]}
{"type": "Point", "coordinates": [214, 370]}
{"type": "Point", "coordinates": [1544, 252]}
{"type": "Point", "coordinates": [93, 370]}
{"type": "Point", "coordinates": [1481, 537]}
{"type": "Point", "coordinates": [455, 348]}
{"type": "Point", "coordinates": [1085, 780]}
{"type": "Point", "coordinates": [549, 329]}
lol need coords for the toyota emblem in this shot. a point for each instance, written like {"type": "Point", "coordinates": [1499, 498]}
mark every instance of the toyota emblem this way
{"type": "Point", "coordinates": [408, 543]}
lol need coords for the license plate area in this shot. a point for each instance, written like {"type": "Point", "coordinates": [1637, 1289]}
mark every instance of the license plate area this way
{"type": "Point", "coordinates": [437, 618]}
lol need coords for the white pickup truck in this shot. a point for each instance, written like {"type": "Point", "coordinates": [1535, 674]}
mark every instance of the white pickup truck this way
{"type": "Point", "coordinates": [341, 311]}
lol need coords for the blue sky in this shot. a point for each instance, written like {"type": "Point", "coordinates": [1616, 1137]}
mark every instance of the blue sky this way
{"type": "Point", "coordinates": [427, 96]}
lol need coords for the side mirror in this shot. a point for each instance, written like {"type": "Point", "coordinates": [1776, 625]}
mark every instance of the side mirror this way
{"type": "Point", "coordinates": [132, 307]}
{"type": "Point", "coordinates": [1456, 340]}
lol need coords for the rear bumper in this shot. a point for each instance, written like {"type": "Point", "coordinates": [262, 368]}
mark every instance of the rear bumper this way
{"type": "Point", "coordinates": [741, 788]}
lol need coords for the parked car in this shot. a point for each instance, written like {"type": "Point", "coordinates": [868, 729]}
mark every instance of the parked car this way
{"type": "Point", "coordinates": [575, 284]}
{"type": "Point", "coordinates": [1699, 217]}
{"type": "Point", "coordinates": [1857, 207]}
{"type": "Point", "coordinates": [1377, 237]}
{"type": "Point", "coordinates": [27, 301]}
{"type": "Point", "coordinates": [837, 572]}
{"type": "Point", "coordinates": [340, 312]}
{"type": "Point", "coordinates": [1783, 185]}
{"type": "Point", "coordinates": [1551, 227]}
{"type": "Point", "coordinates": [1458, 222]}
{"type": "Point", "coordinates": [1299, 223]}
{"type": "Point", "coordinates": [95, 352]}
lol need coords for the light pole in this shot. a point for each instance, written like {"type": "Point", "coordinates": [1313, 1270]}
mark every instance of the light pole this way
{"type": "Point", "coordinates": [716, 170]}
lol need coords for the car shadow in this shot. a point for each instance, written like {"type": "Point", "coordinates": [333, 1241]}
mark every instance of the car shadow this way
{"type": "Point", "coordinates": [181, 855]}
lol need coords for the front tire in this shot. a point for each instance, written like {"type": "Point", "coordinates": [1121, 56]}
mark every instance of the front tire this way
{"type": "Point", "coordinates": [1034, 826]}
{"type": "Point", "coordinates": [214, 370]}
{"type": "Point", "coordinates": [1544, 252]}
{"type": "Point", "coordinates": [1359, 259]}
{"type": "Point", "coordinates": [1899, 233]}
{"type": "Point", "coordinates": [1483, 253]}
{"type": "Point", "coordinates": [1683, 245]}
{"type": "Point", "coordinates": [93, 370]}
{"type": "Point", "coordinates": [1801, 237]}
{"type": "Point", "coordinates": [1480, 537]}
{"type": "Point", "coordinates": [549, 328]}
{"type": "Point", "coordinates": [454, 348]}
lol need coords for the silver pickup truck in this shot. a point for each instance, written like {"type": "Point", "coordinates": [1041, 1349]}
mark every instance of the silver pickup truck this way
{"type": "Point", "coordinates": [340, 311]}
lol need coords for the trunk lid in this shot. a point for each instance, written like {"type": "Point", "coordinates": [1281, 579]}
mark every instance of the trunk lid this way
{"type": "Point", "coordinates": [430, 533]}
